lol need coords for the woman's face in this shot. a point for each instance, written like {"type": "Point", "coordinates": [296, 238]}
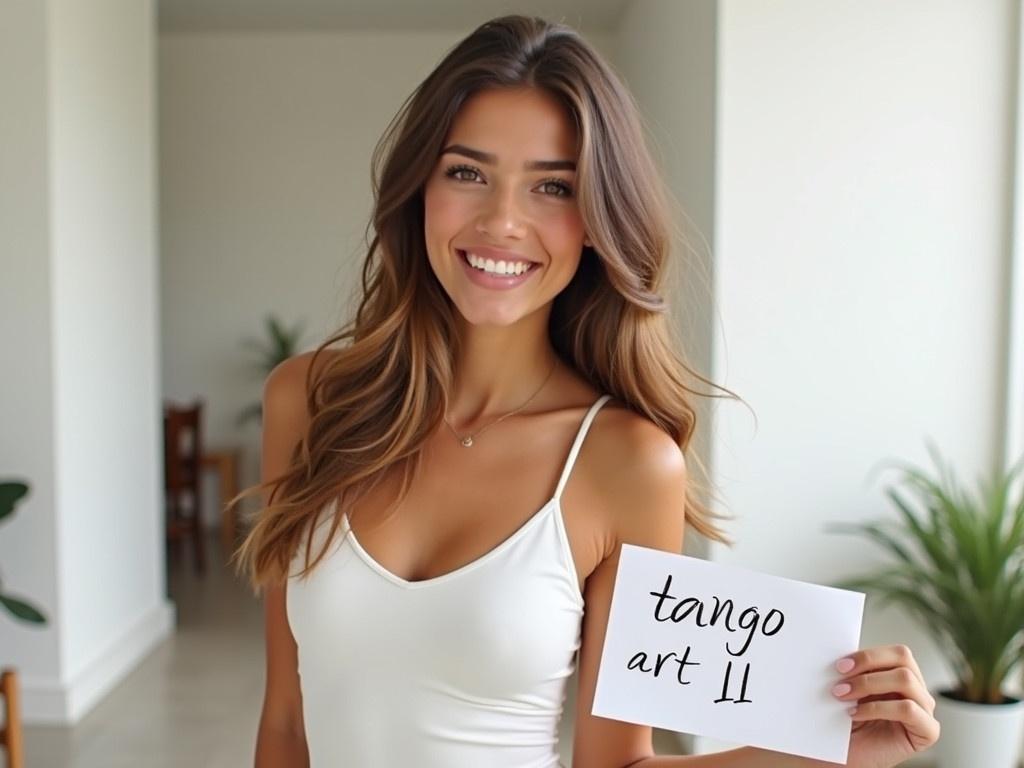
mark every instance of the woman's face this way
{"type": "Point", "coordinates": [484, 194]}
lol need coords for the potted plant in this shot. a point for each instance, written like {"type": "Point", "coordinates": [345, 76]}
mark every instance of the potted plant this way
{"type": "Point", "coordinates": [958, 568]}
{"type": "Point", "coordinates": [280, 344]}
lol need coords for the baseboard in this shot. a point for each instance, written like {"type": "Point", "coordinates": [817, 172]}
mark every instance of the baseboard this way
{"type": "Point", "coordinates": [54, 702]}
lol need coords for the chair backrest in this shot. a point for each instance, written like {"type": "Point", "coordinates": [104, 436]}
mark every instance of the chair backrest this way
{"type": "Point", "coordinates": [183, 445]}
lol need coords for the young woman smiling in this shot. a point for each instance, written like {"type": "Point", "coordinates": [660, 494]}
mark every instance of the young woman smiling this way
{"type": "Point", "coordinates": [448, 481]}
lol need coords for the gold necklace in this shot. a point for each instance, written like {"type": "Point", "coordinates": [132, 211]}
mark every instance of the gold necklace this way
{"type": "Point", "coordinates": [467, 441]}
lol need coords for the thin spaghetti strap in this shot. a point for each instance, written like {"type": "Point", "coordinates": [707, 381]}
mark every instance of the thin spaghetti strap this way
{"type": "Point", "coordinates": [580, 434]}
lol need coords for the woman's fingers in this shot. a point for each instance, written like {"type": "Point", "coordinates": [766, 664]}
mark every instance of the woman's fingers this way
{"type": "Point", "coordinates": [883, 657]}
{"type": "Point", "coordinates": [900, 681]}
{"type": "Point", "coordinates": [922, 729]}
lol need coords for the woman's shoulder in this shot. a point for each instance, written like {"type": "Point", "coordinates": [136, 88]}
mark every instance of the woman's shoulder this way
{"type": "Point", "coordinates": [284, 390]}
{"type": "Point", "coordinates": [628, 437]}
{"type": "Point", "coordinates": [287, 380]}
{"type": "Point", "coordinates": [293, 370]}
{"type": "Point", "coordinates": [639, 471]}
{"type": "Point", "coordinates": [621, 439]}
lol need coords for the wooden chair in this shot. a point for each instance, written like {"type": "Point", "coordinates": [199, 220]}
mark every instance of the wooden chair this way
{"type": "Point", "coordinates": [10, 733]}
{"type": "Point", "coordinates": [183, 452]}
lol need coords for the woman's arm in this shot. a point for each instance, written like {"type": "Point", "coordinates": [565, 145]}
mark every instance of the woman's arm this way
{"type": "Point", "coordinates": [281, 739]}
{"type": "Point", "coordinates": [642, 474]}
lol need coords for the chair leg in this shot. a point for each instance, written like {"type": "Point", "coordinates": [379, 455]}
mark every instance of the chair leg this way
{"type": "Point", "coordinates": [10, 734]}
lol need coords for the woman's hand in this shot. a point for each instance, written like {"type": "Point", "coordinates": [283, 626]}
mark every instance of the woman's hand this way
{"type": "Point", "coordinates": [894, 716]}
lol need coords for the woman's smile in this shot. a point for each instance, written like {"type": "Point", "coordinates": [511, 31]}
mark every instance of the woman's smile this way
{"type": "Point", "coordinates": [481, 274]}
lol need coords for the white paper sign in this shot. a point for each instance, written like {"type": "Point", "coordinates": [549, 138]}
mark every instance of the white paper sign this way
{"type": "Point", "coordinates": [717, 650]}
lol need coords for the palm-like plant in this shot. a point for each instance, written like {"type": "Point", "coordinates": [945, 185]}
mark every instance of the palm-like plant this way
{"type": "Point", "coordinates": [280, 344]}
{"type": "Point", "coordinates": [958, 568]}
{"type": "Point", "coordinates": [10, 494]}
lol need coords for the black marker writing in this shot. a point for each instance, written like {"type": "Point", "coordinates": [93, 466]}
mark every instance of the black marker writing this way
{"type": "Point", "coordinates": [638, 659]}
{"type": "Point", "coordinates": [748, 620]}
{"type": "Point", "coordinates": [743, 687]}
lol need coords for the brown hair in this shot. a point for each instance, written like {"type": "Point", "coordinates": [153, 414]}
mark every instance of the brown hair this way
{"type": "Point", "coordinates": [385, 390]}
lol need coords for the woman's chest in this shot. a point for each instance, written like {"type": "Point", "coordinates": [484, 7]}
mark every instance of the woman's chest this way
{"type": "Point", "coordinates": [441, 527]}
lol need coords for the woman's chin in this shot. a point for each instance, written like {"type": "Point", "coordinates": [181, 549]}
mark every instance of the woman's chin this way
{"type": "Point", "coordinates": [491, 316]}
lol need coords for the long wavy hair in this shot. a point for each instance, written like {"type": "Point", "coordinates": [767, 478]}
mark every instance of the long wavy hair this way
{"type": "Point", "coordinates": [385, 388]}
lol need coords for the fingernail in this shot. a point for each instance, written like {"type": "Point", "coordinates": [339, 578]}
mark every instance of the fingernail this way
{"type": "Point", "coordinates": [844, 665]}
{"type": "Point", "coordinates": [851, 710]}
{"type": "Point", "coordinates": [841, 689]}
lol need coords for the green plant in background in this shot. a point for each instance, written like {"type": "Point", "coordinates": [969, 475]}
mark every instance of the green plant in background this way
{"type": "Point", "coordinates": [10, 494]}
{"type": "Point", "coordinates": [279, 344]}
{"type": "Point", "coordinates": [958, 568]}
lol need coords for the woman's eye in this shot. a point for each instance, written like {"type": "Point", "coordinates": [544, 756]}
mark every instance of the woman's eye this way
{"type": "Point", "coordinates": [564, 189]}
{"type": "Point", "coordinates": [455, 170]}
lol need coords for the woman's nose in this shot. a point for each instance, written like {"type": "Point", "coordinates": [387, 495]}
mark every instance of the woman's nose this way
{"type": "Point", "coordinates": [502, 214]}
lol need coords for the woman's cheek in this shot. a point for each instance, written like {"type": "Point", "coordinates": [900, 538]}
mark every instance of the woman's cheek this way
{"type": "Point", "coordinates": [565, 233]}
{"type": "Point", "coordinates": [454, 213]}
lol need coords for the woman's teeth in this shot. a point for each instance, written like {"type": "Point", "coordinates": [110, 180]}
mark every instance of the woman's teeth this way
{"type": "Point", "coordinates": [497, 267]}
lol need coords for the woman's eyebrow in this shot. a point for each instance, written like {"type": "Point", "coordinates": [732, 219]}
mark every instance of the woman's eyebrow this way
{"type": "Point", "coordinates": [489, 159]}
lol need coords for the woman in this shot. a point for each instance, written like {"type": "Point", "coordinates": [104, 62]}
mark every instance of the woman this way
{"type": "Point", "coordinates": [450, 489]}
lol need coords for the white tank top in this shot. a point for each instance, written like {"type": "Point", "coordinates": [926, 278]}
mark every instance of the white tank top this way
{"type": "Point", "coordinates": [463, 670]}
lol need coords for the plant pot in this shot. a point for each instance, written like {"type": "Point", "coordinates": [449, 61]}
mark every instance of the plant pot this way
{"type": "Point", "coordinates": [988, 735]}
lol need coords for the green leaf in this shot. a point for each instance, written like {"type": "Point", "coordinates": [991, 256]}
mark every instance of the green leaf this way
{"type": "Point", "coordinates": [22, 610]}
{"type": "Point", "coordinates": [10, 494]}
{"type": "Point", "coordinates": [874, 531]}
{"type": "Point", "coordinates": [279, 344]}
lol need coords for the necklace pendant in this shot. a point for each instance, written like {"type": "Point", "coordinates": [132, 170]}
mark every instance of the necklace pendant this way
{"type": "Point", "coordinates": [467, 441]}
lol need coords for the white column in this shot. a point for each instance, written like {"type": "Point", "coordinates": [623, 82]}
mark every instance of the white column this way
{"type": "Point", "coordinates": [81, 405]}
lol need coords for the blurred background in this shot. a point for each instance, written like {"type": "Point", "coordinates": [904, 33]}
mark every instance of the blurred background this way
{"type": "Point", "coordinates": [184, 187]}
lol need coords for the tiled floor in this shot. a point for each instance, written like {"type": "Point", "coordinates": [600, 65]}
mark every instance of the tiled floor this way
{"type": "Point", "coordinates": [195, 701]}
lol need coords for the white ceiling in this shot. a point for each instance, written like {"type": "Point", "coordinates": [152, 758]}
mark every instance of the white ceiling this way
{"type": "Point", "coordinates": [462, 15]}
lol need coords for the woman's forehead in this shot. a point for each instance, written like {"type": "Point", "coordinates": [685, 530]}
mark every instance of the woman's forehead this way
{"type": "Point", "coordinates": [515, 126]}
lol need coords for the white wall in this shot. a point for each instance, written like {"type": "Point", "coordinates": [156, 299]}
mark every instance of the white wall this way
{"type": "Point", "coordinates": [28, 553]}
{"type": "Point", "coordinates": [90, 259]}
{"type": "Point", "coordinates": [861, 221]}
{"type": "Point", "coordinates": [265, 143]}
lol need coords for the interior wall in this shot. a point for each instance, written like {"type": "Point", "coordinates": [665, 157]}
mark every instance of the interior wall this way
{"type": "Point", "coordinates": [105, 313]}
{"type": "Point", "coordinates": [28, 552]}
{"type": "Point", "coordinates": [860, 259]}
